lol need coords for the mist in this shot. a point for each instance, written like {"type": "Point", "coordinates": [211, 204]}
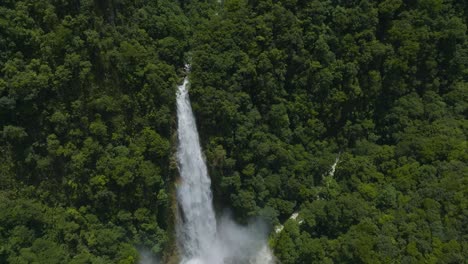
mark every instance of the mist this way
{"type": "Point", "coordinates": [244, 244]}
{"type": "Point", "coordinates": [237, 244]}
{"type": "Point", "coordinates": [147, 258]}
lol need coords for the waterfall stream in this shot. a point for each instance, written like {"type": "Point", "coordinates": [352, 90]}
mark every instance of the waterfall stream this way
{"type": "Point", "coordinates": [194, 195]}
{"type": "Point", "coordinates": [201, 238]}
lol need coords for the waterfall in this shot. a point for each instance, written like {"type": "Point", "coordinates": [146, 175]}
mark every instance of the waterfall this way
{"type": "Point", "coordinates": [201, 239]}
{"type": "Point", "coordinates": [194, 195]}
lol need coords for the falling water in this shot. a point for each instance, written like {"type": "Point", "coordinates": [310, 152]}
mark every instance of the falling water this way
{"type": "Point", "coordinates": [201, 239]}
{"type": "Point", "coordinates": [199, 228]}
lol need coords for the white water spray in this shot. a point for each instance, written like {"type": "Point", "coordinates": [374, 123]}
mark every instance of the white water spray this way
{"type": "Point", "coordinates": [201, 239]}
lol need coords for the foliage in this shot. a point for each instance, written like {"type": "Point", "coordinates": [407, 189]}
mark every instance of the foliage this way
{"type": "Point", "coordinates": [283, 88]}
{"type": "Point", "coordinates": [87, 92]}
{"type": "Point", "coordinates": [280, 89]}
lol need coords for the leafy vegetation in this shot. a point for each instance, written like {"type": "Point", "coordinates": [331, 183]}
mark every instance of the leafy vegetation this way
{"type": "Point", "coordinates": [283, 88]}
{"type": "Point", "coordinates": [280, 89]}
{"type": "Point", "coordinates": [87, 95]}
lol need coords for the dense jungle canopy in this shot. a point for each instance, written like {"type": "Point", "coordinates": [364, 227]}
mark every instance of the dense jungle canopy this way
{"type": "Point", "coordinates": [280, 89]}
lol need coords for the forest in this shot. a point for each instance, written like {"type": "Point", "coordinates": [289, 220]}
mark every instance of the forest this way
{"type": "Point", "coordinates": [283, 91]}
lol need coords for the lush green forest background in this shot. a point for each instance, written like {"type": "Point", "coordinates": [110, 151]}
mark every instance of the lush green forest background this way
{"type": "Point", "coordinates": [280, 90]}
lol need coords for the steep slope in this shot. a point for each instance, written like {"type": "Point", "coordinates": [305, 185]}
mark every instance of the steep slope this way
{"type": "Point", "coordinates": [87, 101]}
{"type": "Point", "coordinates": [281, 88]}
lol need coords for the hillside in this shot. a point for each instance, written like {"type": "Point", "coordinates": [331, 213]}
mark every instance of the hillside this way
{"type": "Point", "coordinates": [281, 90]}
